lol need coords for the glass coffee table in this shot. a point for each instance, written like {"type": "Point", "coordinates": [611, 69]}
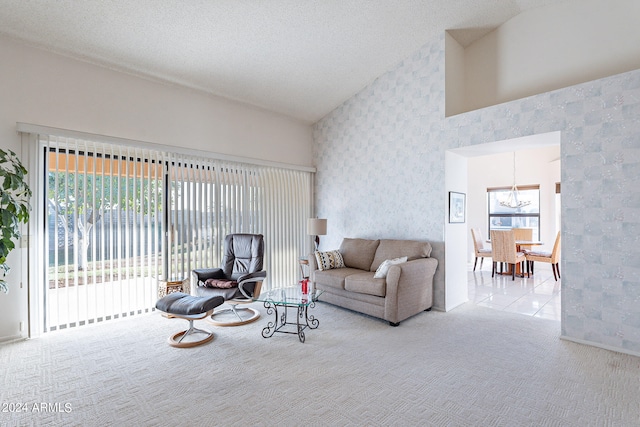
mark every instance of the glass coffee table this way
{"type": "Point", "coordinates": [279, 301]}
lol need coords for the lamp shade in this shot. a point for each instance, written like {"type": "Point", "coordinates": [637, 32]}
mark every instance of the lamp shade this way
{"type": "Point", "coordinates": [316, 227]}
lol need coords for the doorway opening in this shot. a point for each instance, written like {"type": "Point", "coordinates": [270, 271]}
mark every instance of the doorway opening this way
{"type": "Point", "coordinates": [490, 165]}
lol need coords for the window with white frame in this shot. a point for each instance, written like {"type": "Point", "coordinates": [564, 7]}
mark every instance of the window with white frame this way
{"type": "Point", "coordinates": [503, 218]}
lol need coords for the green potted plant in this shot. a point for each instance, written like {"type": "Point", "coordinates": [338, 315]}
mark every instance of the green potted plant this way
{"type": "Point", "coordinates": [14, 207]}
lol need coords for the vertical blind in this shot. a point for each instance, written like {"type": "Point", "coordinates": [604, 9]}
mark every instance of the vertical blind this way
{"type": "Point", "coordinates": [103, 243]}
{"type": "Point", "coordinates": [211, 198]}
{"type": "Point", "coordinates": [121, 218]}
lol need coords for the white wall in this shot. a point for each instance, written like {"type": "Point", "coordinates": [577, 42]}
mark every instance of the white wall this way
{"type": "Point", "coordinates": [455, 76]}
{"type": "Point", "coordinates": [548, 48]}
{"type": "Point", "coordinates": [455, 262]}
{"type": "Point", "coordinates": [51, 90]}
{"type": "Point", "coordinates": [46, 89]}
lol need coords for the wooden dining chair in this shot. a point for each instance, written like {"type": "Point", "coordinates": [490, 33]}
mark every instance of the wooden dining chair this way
{"type": "Point", "coordinates": [503, 243]}
{"type": "Point", "coordinates": [482, 249]}
{"type": "Point", "coordinates": [523, 234]}
{"type": "Point", "coordinates": [552, 258]}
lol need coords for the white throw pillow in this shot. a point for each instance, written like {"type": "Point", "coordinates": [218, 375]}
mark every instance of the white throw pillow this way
{"type": "Point", "coordinates": [381, 272]}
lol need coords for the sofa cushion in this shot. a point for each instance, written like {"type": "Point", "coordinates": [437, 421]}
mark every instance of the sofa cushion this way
{"type": "Point", "coordinates": [328, 260]}
{"type": "Point", "coordinates": [390, 249]}
{"type": "Point", "coordinates": [358, 253]}
{"type": "Point", "coordinates": [381, 272]}
{"type": "Point", "coordinates": [333, 278]}
{"type": "Point", "coordinates": [364, 283]}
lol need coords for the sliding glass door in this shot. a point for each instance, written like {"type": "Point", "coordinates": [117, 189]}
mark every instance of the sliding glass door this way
{"type": "Point", "coordinates": [118, 219]}
{"type": "Point", "coordinates": [103, 231]}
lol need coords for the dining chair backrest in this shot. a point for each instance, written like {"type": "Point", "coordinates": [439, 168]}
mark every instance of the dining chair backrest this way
{"type": "Point", "coordinates": [523, 233]}
{"type": "Point", "coordinates": [477, 239]}
{"type": "Point", "coordinates": [503, 244]}
{"type": "Point", "coordinates": [555, 253]}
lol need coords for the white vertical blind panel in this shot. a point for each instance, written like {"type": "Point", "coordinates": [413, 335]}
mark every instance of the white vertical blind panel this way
{"type": "Point", "coordinates": [102, 250]}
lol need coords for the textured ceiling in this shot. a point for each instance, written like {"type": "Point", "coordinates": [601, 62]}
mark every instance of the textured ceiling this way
{"type": "Point", "coordinates": [297, 57]}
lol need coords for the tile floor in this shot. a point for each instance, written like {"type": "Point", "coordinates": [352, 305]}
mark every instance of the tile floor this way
{"type": "Point", "coordinates": [537, 296]}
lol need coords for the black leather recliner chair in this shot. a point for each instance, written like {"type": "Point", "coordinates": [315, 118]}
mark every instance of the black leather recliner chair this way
{"type": "Point", "coordinates": [237, 281]}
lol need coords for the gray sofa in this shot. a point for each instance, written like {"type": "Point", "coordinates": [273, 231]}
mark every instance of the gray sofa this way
{"type": "Point", "coordinates": [406, 290]}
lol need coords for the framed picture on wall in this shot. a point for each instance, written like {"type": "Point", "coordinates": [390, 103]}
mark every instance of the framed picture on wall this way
{"type": "Point", "coordinates": [456, 207]}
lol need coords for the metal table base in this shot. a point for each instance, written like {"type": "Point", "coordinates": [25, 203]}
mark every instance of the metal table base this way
{"type": "Point", "coordinates": [280, 323]}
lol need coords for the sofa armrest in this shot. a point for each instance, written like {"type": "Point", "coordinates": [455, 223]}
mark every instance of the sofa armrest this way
{"type": "Point", "coordinates": [409, 288]}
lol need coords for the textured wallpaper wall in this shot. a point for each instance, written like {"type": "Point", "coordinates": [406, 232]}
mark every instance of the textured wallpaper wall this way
{"type": "Point", "coordinates": [380, 161]}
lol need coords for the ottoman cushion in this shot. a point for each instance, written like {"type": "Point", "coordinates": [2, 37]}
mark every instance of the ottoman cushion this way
{"type": "Point", "coordinates": [185, 304]}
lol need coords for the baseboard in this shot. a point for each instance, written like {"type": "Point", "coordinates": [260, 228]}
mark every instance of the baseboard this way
{"type": "Point", "coordinates": [11, 339]}
{"type": "Point", "coordinates": [602, 346]}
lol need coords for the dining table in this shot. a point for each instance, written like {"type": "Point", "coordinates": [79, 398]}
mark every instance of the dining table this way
{"type": "Point", "coordinates": [519, 245]}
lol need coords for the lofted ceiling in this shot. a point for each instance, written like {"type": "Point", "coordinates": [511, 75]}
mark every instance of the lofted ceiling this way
{"type": "Point", "coordinates": [301, 58]}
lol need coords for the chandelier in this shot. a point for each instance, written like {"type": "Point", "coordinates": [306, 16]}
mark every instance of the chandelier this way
{"type": "Point", "coordinates": [513, 200]}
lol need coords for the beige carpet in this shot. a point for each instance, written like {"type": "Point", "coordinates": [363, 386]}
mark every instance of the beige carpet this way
{"type": "Point", "coordinates": [472, 366]}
